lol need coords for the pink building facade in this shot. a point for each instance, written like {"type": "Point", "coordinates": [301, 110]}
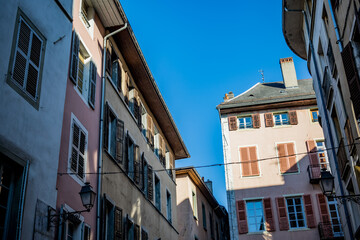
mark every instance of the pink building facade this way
{"type": "Point", "coordinates": [273, 150]}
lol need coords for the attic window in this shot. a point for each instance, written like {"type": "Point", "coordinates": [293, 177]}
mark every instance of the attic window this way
{"type": "Point", "coordinates": [251, 95]}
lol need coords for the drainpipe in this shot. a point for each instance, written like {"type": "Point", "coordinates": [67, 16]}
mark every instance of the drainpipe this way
{"type": "Point", "coordinates": [327, 120]}
{"type": "Point", "coordinates": [338, 38]}
{"type": "Point", "coordinates": [98, 205]}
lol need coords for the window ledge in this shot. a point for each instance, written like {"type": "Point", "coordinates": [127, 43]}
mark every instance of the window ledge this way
{"type": "Point", "coordinates": [299, 229]}
{"type": "Point", "coordinates": [256, 233]}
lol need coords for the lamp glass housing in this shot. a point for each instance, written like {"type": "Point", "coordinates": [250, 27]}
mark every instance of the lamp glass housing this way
{"type": "Point", "coordinates": [87, 196]}
{"type": "Point", "coordinates": [326, 182]}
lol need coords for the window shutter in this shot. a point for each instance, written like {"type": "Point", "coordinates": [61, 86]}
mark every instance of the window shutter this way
{"type": "Point", "coordinates": [352, 77]}
{"type": "Point", "coordinates": [92, 84]}
{"type": "Point", "coordinates": [137, 232]}
{"type": "Point", "coordinates": [282, 214]}
{"type": "Point", "coordinates": [291, 157]}
{"type": "Point", "coordinates": [281, 148]}
{"type": "Point", "coordinates": [150, 184]}
{"type": "Point", "coordinates": [119, 76]}
{"type": "Point", "coordinates": [106, 126]}
{"type": "Point", "coordinates": [120, 141]}
{"type": "Point", "coordinates": [256, 120]}
{"type": "Point", "coordinates": [144, 235]}
{"type": "Point", "coordinates": [75, 147]}
{"type": "Point", "coordinates": [126, 162]}
{"type": "Point", "coordinates": [313, 158]}
{"type": "Point", "coordinates": [150, 131]}
{"type": "Point", "coordinates": [126, 88]}
{"type": "Point", "coordinates": [245, 166]}
{"type": "Point", "coordinates": [287, 159]}
{"type": "Point", "coordinates": [310, 217]}
{"type": "Point", "coordinates": [141, 172]}
{"type": "Point", "coordinates": [74, 57]}
{"type": "Point", "coordinates": [108, 62]}
{"type": "Point", "coordinates": [270, 224]}
{"type": "Point", "coordinates": [232, 123]}
{"type": "Point", "coordinates": [81, 166]}
{"type": "Point", "coordinates": [137, 164]}
{"type": "Point", "coordinates": [136, 109]}
{"type": "Point", "coordinates": [143, 178]}
{"type": "Point", "coordinates": [324, 216]}
{"type": "Point", "coordinates": [242, 221]}
{"type": "Point", "coordinates": [118, 230]}
{"type": "Point", "coordinates": [293, 118]}
{"type": "Point", "coordinates": [269, 120]}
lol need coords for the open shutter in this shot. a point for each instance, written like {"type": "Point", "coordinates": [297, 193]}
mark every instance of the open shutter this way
{"type": "Point", "coordinates": [150, 131]}
{"type": "Point", "coordinates": [269, 217]}
{"type": "Point", "coordinates": [352, 77]}
{"type": "Point", "coordinates": [313, 158]}
{"type": "Point", "coordinates": [119, 76]}
{"type": "Point", "coordinates": [108, 62]}
{"type": "Point", "coordinates": [150, 184]}
{"type": "Point", "coordinates": [126, 88]}
{"type": "Point", "coordinates": [118, 230]}
{"type": "Point", "coordinates": [269, 120]}
{"type": "Point", "coordinates": [324, 216]}
{"type": "Point", "coordinates": [310, 216]}
{"type": "Point", "coordinates": [74, 57]}
{"type": "Point", "coordinates": [144, 235]}
{"type": "Point", "coordinates": [106, 126]}
{"type": "Point", "coordinates": [137, 232]}
{"type": "Point", "coordinates": [120, 141]}
{"type": "Point", "coordinates": [75, 147]}
{"type": "Point", "coordinates": [232, 123]}
{"type": "Point", "coordinates": [92, 84]}
{"type": "Point", "coordinates": [137, 164]}
{"type": "Point", "coordinates": [242, 221]}
{"type": "Point", "coordinates": [282, 214]}
{"type": "Point", "coordinates": [126, 160]}
{"type": "Point", "coordinates": [293, 118]}
{"type": "Point", "coordinates": [256, 120]}
{"type": "Point", "coordinates": [141, 171]}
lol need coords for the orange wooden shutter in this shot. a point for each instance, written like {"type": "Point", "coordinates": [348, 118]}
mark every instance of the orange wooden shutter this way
{"type": "Point", "coordinates": [287, 159]}
{"type": "Point", "coordinates": [269, 121]}
{"type": "Point", "coordinates": [249, 164]}
{"type": "Point", "coordinates": [256, 121]}
{"type": "Point", "coordinates": [293, 118]}
{"type": "Point", "coordinates": [313, 158]}
{"type": "Point", "coordinates": [254, 166]}
{"type": "Point", "coordinates": [282, 159]}
{"type": "Point", "coordinates": [324, 213]}
{"type": "Point", "coordinates": [310, 217]}
{"type": "Point", "coordinates": [291, 157]}
{"type": "Point", "coordinates": [232, 123]}
{"type": "Point", "coordinates": [269, 218]}
{"type": "Point", "coordinates": [242, 221]}
{"type": "Point", "coordinates": [282, 214]}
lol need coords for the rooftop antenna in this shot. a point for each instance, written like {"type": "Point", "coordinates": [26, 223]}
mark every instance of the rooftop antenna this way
{"type": "Point", "coordinates": [262, 75]}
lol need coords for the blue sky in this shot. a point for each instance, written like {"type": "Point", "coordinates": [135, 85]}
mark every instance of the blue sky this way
{"type": "Point", "coordinates": [199, 50]}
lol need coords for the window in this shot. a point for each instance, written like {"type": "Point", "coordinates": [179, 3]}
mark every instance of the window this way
{"type": "Point", "coordinates": [78, 146]}
{"type": "Point", "coordinates": [83, 72]}
{"type": "Point", "coordinates": [130, 150]}
{"type": "Point", "coordinates": [26, 61]}
{"type": "Point", "coordinates": [113, 68]}
{"type": "Point", "coordinates": [86, 232]}
{"type": "Point", "coordinates": [295, 212]}
{"type": "Point", "coordinates": [255, 216]}
{"type": "Point", "coordinates": [245, 122]}
{"type": "Point", "coordinates": [287, 157]}
{"type": "Point", "coordinates": [203, 215]}
{"type": "Point", "coordinates": [314, 115]}
{"type": "Point", "coordinates": [321, 152]}
{"type": "Point", "coordinates": [168, 206]}
{"type": "Point", "coordinates": [129, 229]}
{"type": "Point", "coordinates": [84, 13]}
{"type": "Point", "coordinates": [194, 204]}
{"type": "Point", "coordinates": [157, 193]}
{"type": "Point", "coordinates": [211, 225]}
{"type": "Point", "coordinates": [249, 161]}
{"type": "Point", "coordinates": [69, 235]}
{"type": "Point", "coordinates": [281, 119]}
{"type": "Point", "coordinates": [144, 171]}
{"type": "Point", "coordinates": [335, 218]}
{"type": "Point", "coordinates": [114, 136]}
{"type": "Point", "coordinates": [144, 234]}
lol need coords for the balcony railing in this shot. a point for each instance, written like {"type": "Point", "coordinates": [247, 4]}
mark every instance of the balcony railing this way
{"type": "Point", "coordinates": [314, 172]}
{"type": "Point", "coordinates": [326, 232]}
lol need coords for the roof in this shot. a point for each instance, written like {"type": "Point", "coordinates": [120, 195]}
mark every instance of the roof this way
{"type": "Point", "coordinates": [113, 17]}
{"type": "Point", "coordinates": [269, 95]}
{"type": "Point", "coordinates": [195, 177]}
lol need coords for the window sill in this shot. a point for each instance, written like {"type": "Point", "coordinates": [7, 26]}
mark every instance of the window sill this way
{"type": "Point", "coordinates": [256, 233]}
{"type": "Point", "coordinates": [299, 229]}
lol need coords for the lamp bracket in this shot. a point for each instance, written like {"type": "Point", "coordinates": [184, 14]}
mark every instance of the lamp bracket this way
{"type": "Point", "coordinates": [347, 198]}
{"type": "Point", "coordinates": [54, 218]}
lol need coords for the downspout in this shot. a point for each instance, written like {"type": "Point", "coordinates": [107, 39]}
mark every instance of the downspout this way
{"type": "Point", "coordinates": [336, 28]}
{"type": "Point", "coordinates": [98, 205]}
{"type": "Point", "coordinates": [327, 120]}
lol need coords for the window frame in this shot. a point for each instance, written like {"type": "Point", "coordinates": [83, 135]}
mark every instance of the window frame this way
{"type": "Point", "coordinates": [245, 124]}
{"type": "Point", "coordinates": [314, 110]}
{"type": "Point", "coordinates": [296, 212]}
{"type": "Point", "coordinates": [168, 206]}
{"type": "Point", "coordinates": [281, 119]}
{"type": "Point", "coordinates": [255, 216]}
{"type": "Point", "coordinates": [21, 90]}
{"type": "Point", "coordinates": [157, 192]}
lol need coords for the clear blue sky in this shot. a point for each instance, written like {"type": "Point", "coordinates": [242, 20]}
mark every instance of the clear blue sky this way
{"type": "Point", "coordinates": [199, 50]}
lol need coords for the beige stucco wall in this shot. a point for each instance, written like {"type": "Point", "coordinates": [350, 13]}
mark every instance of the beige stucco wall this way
{"type": "Point", "coordinates": [271, 183]}
{"type": "Point", "coordinates": [123, 191]}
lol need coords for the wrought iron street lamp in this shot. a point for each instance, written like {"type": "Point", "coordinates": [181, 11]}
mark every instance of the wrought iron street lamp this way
{"type": "Point", "coordinates": [87, 196]}
{"type": "Point", "coordinates": [327, 187]}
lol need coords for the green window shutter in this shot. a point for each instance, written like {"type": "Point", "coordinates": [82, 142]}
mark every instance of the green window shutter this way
{"type": "Point", "coordinates": [74, 57]}
{"type": "Point", "coordinates": [92, 84]}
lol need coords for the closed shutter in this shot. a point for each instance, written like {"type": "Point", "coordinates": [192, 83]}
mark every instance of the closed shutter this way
{"type": "Point", "coordinates": [287, 158]}
{"type": "Point", "coordinates": [150, 184]}
{"type": "Point", "coordinates": [269, 120]}
{"type": "Point", "coordinates": [313, 158]}
{"type": "Point", "coordinates": [327, 230]}
{"type": "Point", "coordinates": [293, 118]}
{"type": "Point", "coordinates": [118, 230]}
{"type": "Point", "coordinates": [310, 216]}
{"type": "Point", "coordinates": [137, 164]}
{"type": "Point", "coordinates": [249, 164]}
{"type": "Point", "coordinates": [120, 141]}
{"type": "Point", "coordinates": [106, 126]}
{"type": "Point", "coordinates": [352, 77]}
{"type": "Point", "coordinates": [144, 235]}
{"type": "Point", "coordinates": [242, 221]}
{"type": "Point", "coordinates": [256, 120]}
{"type": "Point", "coordinates": [137, 232]}
{"type": "Point", "coordinates": [269, 217]}
{"type": "Point", "coordinates": [143, 177]}
{"type": "Point", "coordinates": [78, 150]}
{"type": "Point", "coordinates": [74, 57]}
{"type": "Point", "coordinates": [232, 123]}
{"type": "Point", "coordinates": [92, 84]}
{"type": "Point", "coordinates": [282, 214]}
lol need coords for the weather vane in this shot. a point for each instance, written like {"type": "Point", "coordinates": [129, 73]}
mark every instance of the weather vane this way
{"type": "Point", "coordinates": [262, 75]}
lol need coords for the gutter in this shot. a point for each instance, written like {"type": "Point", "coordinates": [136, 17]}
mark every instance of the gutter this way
{"type": "Point", "coordinates": [98, 205]}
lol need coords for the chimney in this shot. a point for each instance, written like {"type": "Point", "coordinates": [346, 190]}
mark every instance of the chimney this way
{"type": "Point", "coordinates": [228, 96]}
{"type": "Point", "coordinates": [209, 185]}
{"type": "Point", "coordinates": [288, 72]}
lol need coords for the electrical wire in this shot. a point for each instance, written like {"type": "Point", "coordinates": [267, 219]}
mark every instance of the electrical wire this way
{"type": "Point", "coordinates": [208, 165]}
